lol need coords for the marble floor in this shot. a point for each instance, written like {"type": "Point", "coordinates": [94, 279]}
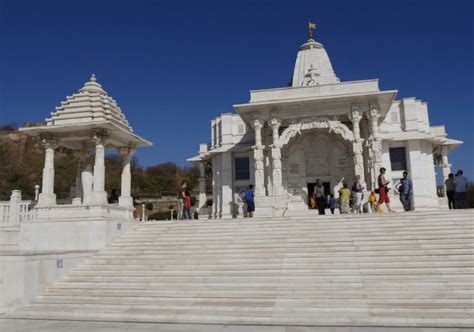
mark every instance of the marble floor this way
{"type": "Point", "coordinates": [30, 325]}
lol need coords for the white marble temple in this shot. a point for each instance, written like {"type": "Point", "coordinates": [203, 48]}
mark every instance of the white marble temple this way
{"type": "Point", "coordinates": [318, 127]}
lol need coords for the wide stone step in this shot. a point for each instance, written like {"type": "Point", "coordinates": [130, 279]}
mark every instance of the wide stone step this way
{"type": "Point", "coordinates": [290, 302]}
{"type": "Point", "coordinates": [349, 292]}
{"type": "Point", "coordinates": [349, 316]}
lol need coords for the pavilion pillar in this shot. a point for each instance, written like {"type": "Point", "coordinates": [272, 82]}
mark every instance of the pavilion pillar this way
{"type": "Point", "coordinates": [202, 185]}
{"type": "Point", "coordinates": [258, 158]}
{"type": "Point", "coordinates": [375, 143]}
{"type": "Point", "coordinates": [445, 165]}
{"type": "Point", "coordinates": [47, 197]}
{"type": "Point", "coordinates": [125, 199]}
{"type": "Point", "coordinates": [277, 187]}
{"type": "Point", "coordinates": [99, 194]}
{"type": "Point", "coordinates": [78, 192]}
{"type": "Point", "coordinates": [357, 148]}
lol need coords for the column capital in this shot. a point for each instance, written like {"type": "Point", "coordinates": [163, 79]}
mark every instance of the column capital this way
{"type": "Point", "coordinates": [373, 112]}
{"type": "Point", "coordinates": [99, 136]}
{"type": "Point", "coordinates": [275, 122]}
{"type": "Point", "coordinates": [355, 114]}
{"type": "Point", "coordinates": [49, 143]}
{"type": "Point", "coordinates": [257, 123]}
{"type": "Point", "coordinates": [126, 151]}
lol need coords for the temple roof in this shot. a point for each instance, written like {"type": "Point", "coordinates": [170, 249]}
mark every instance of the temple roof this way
{"type": "Point", "coordinates": [89, 110]}
{"type": "Point", "coordinates": [313, 66]}
{"type": "Point", "coordinates": [90, 104]}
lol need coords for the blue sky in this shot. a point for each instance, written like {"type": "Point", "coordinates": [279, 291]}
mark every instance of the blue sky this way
{"type": "Point", "coordinates": [172, 66]}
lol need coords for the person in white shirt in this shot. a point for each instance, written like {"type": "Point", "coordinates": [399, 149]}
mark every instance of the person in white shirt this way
{"type": "Point", "coordinates": [461, 186]}
{"type": "Point", "coordinates": [320, 196]}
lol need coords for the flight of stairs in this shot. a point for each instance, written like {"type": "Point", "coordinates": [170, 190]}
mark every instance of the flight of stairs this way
{"type": "Point", "coordinates": [400, 269]}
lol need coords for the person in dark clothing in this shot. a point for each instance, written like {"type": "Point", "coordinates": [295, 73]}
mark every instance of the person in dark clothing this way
{"type": "Point", "coordinates": [450, 191]}
{"type": "Point", "coordinates": [114, 197]}
{"type": "Point", "coordinates": [249, 200]}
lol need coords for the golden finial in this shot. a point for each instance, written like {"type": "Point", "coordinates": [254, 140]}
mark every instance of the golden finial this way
{"type": "Point", "coordinates": [311, 26]}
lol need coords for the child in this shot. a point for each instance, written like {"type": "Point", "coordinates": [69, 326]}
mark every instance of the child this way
{"type": "Point", "coordinates": [312, 202]}
{"type": "Point", "coordinates": [374, 206]}
{"type": "Point", "coordinates": [332, 203]}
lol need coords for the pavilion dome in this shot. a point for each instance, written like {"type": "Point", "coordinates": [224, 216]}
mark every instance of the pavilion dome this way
{"type": "Point", "coordinates": [90, 104]}
{"type": "Point", "coordinates": [313, 66]}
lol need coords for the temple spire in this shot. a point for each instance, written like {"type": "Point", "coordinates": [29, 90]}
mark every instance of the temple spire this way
{"type": "Point", "coordinates": [311, 26]}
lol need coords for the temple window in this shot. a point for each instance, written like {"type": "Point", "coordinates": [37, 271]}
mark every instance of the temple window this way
{"type": "Point", "coordinates": [242, 168]}
{"type": "Point", "coordinates": [398, 159]}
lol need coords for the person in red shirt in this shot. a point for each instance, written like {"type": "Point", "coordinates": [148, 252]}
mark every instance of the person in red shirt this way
{"type": "Point", "coordinates": [383, 189]}
{"type": "Point", "coordinates": [187, 205]}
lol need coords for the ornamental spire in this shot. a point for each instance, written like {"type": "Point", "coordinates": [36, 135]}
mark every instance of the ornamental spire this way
{"type": "Point", "coordinates": [311, 26]}
{"type": "Point", "coordinates": [93, 79]}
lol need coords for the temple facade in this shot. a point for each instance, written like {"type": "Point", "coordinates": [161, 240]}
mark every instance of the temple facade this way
{"type": "Point", "coordinates": [318, 127]}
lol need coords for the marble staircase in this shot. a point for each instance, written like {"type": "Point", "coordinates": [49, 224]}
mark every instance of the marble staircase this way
{"type": "Point", "coordinates": [400, 269]}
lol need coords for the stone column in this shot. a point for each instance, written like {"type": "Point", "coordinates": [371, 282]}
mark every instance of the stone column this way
{"type": "Point", "coordinates": [125, 199]}
{"type": "Point", "coordinates": [100, 196]}
{"type": "Point", "coordinates": [258, 158]}
{"type": "Point", "coordinates": [202, 185]}
{"type": "Point", "coordinates": [445, 165]}
{"type": "Point", "coordinates": [355, 117]}
{"type": "Point", "coordinates": [276, 158]}
{"type": "Point", "coordinates": [78, 192]}
{"type": "Point", "coordinates": [375, 142]}
{"type": "Point", "coordinates": [47, 197]}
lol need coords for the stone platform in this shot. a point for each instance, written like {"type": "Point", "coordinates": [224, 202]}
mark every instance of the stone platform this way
{"type": "Point", "coordinates": [392, 270]}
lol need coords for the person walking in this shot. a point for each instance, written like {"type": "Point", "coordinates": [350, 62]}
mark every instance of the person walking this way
{"type": "Point", "coordinates": [461, 186]}
{"type": "Point", "coordinates": [450, 191]}
{"type": "Point", "coordinates": [406, 191]}
{"type": "Point", "coordinates": [383, 189]}
{"type": "Point", "coordinates": [344, 198]}
{"type": "Point", "coordinates": [249, 199]}
{"type": "Point", "coordinates": [320, 196]}
{"type": "Point", "coordinates": [357, 193]}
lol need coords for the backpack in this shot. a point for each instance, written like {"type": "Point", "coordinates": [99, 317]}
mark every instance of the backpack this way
{"type": "Point", "coordinates": [249, 195]}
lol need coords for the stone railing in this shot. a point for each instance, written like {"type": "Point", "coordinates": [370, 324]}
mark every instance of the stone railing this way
{"type": "Point", "coordinates": [15, 211]}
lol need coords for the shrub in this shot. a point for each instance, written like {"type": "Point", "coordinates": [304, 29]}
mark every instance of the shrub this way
{"type": "Point", "coordinates": [162, 216]}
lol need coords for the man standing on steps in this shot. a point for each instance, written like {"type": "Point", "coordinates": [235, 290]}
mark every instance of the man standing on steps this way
{"type": "Point", "coordinates": [460, 195]}
{"type": "Point", "coordinates": [249, 199]}
{"type": "Point", "coordinates": [406, 191]}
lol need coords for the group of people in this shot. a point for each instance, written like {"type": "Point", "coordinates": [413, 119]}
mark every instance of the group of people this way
{"type": "Point", "coordinates": [350, 199]}
{"type": "Point", "coordinates": [456, 190]}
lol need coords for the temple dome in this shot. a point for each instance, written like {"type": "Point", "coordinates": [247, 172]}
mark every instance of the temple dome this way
{"type": "Point", "coordinates": [90, 104]}
{"type": "Point", "coordinates": [313, 66]}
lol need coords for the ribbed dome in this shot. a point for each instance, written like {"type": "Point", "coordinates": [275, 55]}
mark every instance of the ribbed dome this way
{"type": "Point", "coordinates": [90, 104]}
{"type": "Point", "coordinates": [313, 66]}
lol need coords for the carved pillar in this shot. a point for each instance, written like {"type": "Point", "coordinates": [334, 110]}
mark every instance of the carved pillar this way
{"type": "Point", "coordinates": [202, 185]}
{"type": "Point", "coordinates": [355, 117]}
{"type": "Point", "coordinates": [47, 197]}
{"type": "Point", "coordinates": [78, 192]}
{"type": "Point", "coordinates": [375, 142]}
{"type": "Point", "coordinates": [125, 199]}
{"type": "Point", "coordinates": [276, 158]}
{"type": "Point", "coordinates": [100, 196]}
{"type": "Point", "coordinates": [445, 165]}
{"type": "Point", "coordinates": [258, 159]}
